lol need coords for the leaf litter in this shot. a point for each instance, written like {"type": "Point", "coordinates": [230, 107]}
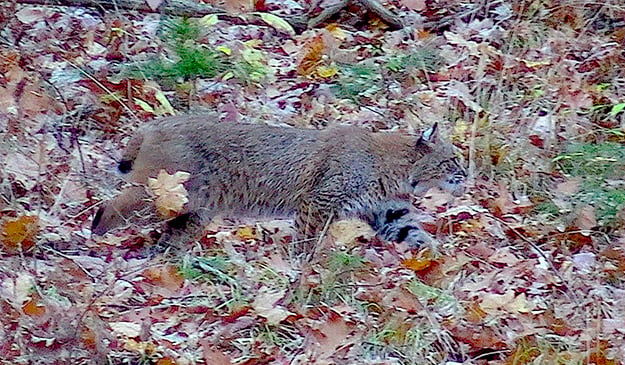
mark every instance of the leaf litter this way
{"type": "Point", "coordinates": [529, 266]}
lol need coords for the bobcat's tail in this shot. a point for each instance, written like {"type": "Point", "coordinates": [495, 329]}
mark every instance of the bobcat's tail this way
{"type": "Point", "coordinates": [130, 153]}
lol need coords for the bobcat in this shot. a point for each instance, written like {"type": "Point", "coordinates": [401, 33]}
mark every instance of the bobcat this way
{"type": "Point", "coordinates": [249, 170]}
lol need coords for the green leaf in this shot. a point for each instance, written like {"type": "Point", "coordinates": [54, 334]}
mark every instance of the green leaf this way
{"type": "Point", "coordinates": [145, 106]}
{"type": "Point", "coordinates": [166, 106]}
{"type": "Point", "coordinates": [277, 22]}
{"type": "Point", "coordinates": [617, 109]}
{"type": "Point", "coordinates": [208, 20]}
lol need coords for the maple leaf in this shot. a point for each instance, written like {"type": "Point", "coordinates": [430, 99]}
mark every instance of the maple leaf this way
{"type": "Point", "coordinates": [171, 194]}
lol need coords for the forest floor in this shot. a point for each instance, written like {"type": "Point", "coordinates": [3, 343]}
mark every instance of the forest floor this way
{"type": "Point", "coordinates": [530, 263]}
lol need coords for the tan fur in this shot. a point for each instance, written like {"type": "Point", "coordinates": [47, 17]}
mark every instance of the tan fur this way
{"type": "Point", "coordinates": [249, 170]}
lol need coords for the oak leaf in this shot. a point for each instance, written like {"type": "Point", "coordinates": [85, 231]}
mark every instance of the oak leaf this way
{"type": "Point", "coordinates": [171, 196]}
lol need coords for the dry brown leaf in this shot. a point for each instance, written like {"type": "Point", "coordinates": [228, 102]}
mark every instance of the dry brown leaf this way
{"type": "Point", "coordinates": [586, 218]}
{"type": "Point", "coordinates": [348, 231]}
{"type": "Point", "coordinates": [265, 306]}
{"type": "Point", "coordinates": [569, 187]}
{"type": "Point", "coordinates": [491, 303]}
{"type": "Point", "coordinates": [214, 356]}
{"type": "Point", "coordinates": [171, 195]}
{"type": "Point", "coordinates": [417, 5]}
{"type": "Point", "coordinates": [335, 333]}
{"type": "Point", "coordinates": [504, 256]}
{"type": "Point", "coordinates": [312, 54]}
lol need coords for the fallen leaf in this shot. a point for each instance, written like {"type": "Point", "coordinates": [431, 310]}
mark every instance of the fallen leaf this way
{"type": "Point", "coordinates": [166, 276]}
{"type": "Point", "coordinates": [247, 233]}
{"type": "Point", "coordinates": [277, 22]}
{"type": "Point", "coordinates": [18, 234]}
{"type": "Point", "coordinates": [586, 218]}
{"type": "Point", "coordinates": [265, 306]}
{"type": "Point", "coordinates": [347, 231]}
{"type": "Point", "coordinates": [34, 308]}
{"type": "Point", "coordinates": [416, 5]}
{"type": "Point", "coordinates": [171, 194]}
{"type": "Point", "coordinates": [417, 264]}
{"type": "Point", "coordinates": [153, 4]}
{"type": "Point", "coordinates": [126, 329]}
{"type": "Point", "coordinates": [333, 333]}
{"type": "Point", "coordinates": [584, 261]}
{"type": "Point", "coordinates": [327, 71]}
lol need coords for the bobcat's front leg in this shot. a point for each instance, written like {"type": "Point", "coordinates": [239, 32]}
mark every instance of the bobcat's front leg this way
{"type": "Point", "coordinates": [396, 221]}
{"type": "Point", "coordinates": [312, 221]}
{"type": "Point", "coordinates": [178, 232]}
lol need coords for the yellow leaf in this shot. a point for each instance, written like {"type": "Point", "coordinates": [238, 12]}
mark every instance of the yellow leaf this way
{"type": "Point", "coordinates": [19, 233]}
{"type": "Point", "coordinates": [336, 31]}
{"type": "Point", "coordinates": [460, 131]}
{"type": "Point", "coordinates": [327, 71]}
{"type": "Point", "coordinates": [246, 233]}
{"type": "Point", "coordinates": [253, 43]}
{"type": "Point", "coordinates": [277, 22]}
{"type": "Point", "coordinates": [224, 50]}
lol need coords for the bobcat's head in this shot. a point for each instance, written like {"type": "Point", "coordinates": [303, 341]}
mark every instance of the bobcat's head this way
{"type": "Point", "coordinates": [440, 165]}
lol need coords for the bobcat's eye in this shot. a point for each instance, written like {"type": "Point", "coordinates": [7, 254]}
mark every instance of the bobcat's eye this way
{"type": "Point", "coordinates": [414, 183]}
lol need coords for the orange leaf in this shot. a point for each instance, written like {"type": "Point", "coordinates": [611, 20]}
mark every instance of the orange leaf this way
{"type": "Point", "coordinates": [19, 233]}
{"type": "Point", "coordinates": [165, 361]}
{"type": "Point", "coordinates": [88, 337]}
{"type": "Point", "coordinates": [313, 51]}
{"type": "Point", "coordinates": [33, 309]}
{"type": "Point", "coordinates": [416, 264]}
{"type": "Point", "coordinates": [166, 276]}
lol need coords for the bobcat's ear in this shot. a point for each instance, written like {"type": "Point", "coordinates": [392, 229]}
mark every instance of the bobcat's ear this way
{"type": "Point", "coordinates": [429, 135]}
